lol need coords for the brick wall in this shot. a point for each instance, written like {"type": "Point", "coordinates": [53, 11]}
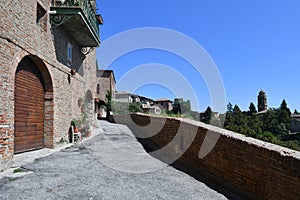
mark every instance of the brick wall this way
{"type": "Point", "coordinates": [6, 143]}
{"type": "Point", "coordinates": [248, 167]}
{"type": "Point", "coordinates": [21, 36]}
{"type": "Point", "coordinates": [61, 40]}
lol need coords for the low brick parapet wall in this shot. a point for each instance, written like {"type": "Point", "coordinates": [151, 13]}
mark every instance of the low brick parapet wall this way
{"type": "Point", "coordinates": [248, 167]}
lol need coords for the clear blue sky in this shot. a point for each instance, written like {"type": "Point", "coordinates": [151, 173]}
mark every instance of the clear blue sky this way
{"type": "Point", "coordinates": [255, 45]}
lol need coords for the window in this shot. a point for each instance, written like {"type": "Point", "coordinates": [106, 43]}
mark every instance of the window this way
{"type": "Point", "coordinates": [98, 88]}
{"type": "Point", "coordinates": [69, 53]}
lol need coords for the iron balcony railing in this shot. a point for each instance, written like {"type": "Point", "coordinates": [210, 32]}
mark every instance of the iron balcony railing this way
{"type": "Point", "coordinates": [87, 8]}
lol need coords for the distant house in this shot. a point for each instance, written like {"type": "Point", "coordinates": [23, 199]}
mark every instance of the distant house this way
{"type": "Point", "coordinates": [126, 97]}
{"type": "Point", "coordinates": [164, 103]}
{"type": "Point", "coordinates": [148, 107]}
{"type": "Point", "coordinates": [145, 100]}
{"type": "Point", "coordinates": [155, 110]}
{"type": "Point", "coordinates": [147, 104]}
{"type": "Point", "coordinates": [151, 109]}
{"type": "Point", "coordinates": [216, 115]}
{"type": "Point", "coordinates": [295, 124]}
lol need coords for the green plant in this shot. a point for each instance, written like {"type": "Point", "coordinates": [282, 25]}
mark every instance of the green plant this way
{"type": "Point", "coordinates": [18, 170]}
{"type": "Point", "coordinates": [75, 123]}
{"type": "Point", "coordinates": [88, 127]}
{"type": "Point", "coordinates": [13, 178]}
{"type": "Point", "coordinates": [62, 140]}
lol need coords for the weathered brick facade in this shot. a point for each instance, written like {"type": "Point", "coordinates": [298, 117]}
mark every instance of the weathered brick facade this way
{"type": "Point", "coordinates": [24, 35]}
{"type": "Point", "coordinates": [105, 84]}
{"type": "Point", "coordinates": [249, 167]}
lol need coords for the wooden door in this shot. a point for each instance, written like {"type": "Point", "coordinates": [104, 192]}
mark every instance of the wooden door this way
{"type": "Point", "coordinates": [29, 107]}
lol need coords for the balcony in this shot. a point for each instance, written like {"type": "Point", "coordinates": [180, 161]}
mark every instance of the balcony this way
{"type": "Point", "coordinates": [79, 19]}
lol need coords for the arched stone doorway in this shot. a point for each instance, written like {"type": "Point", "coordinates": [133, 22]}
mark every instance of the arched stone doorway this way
{"type": "Point", "coordinates": [33, 113]}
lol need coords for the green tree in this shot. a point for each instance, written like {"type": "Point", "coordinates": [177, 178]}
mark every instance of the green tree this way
{"type": "Point", "coordinates": [255, 124]}
{"type": "Point", "coordinates": [270, 122]}
{"type": "Point", "coordinates": [120, 107]}
{"type": "Point", "coordinates": [229, 121]}
{"type": "Point", "coordinates": [229, 108]}
{"type": "Point", "coordinates": [236, 110]}
{"type": "Point", "coordinates": [207, 115]}
{"type": "Point", "coordinates": [176, 107]}
{"type": "Point", "coordinates": [271, 126]}
{"type": "Point", "coordinates": [284, 118]}
{"type": "Point", "coordinates": [283, 106]}
{"type": "Point", "coordinates": [185, 107]}
{"type": "Point", "coordinates": [238, 116]}
{"type": "Point", "coordinates": [252, 109]}
{"type": "Point", "coordinates": [135, 107]}
{"type": "Point", "coordinates": [109, 103]}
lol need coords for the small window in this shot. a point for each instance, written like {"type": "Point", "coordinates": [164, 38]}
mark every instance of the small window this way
{"type": "Point", "coordinates": [69, 53]}
{"type": "Point", "coordinates": [98, 88]}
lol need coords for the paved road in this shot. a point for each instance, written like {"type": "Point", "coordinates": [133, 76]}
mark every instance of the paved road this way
{"type": "Point", "coordinates": [111, 165]}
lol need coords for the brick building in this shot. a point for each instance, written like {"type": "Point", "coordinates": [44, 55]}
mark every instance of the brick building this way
{"type": "Point", "coordinates": [164, 103]}
{"type": "Point", "coordinates": [47, 66]}
{"type": "Point", "coordinates": [105, 85]}
{"type": "Point", "coordinates": [126, 97]}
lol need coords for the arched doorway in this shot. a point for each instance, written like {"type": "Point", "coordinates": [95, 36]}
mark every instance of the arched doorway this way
{"type": "Point", "coordinates": [29, 113]}
{"type": "Point", "coordinates": [102, 110]}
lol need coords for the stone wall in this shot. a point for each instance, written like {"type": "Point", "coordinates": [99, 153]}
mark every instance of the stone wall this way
{"type": "Point", "coordinates": [251, 168]}
{"type": "Point", "coordinates": [22, 35]}
{"type": "Point", "coordinates": [295, 124]}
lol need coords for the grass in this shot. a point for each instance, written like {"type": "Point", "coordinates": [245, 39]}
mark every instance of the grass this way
{"type": "Point", "coordinates": [13, 178]}
{"type": "Point", "coordinates": [19, 170]}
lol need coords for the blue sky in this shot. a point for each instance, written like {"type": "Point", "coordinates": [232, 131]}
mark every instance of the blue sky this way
{"type": "Point", "coordinates": [254, 44]}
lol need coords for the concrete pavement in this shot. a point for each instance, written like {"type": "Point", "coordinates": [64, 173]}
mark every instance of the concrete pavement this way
{"type": "Point", "coordinates": [110, 165]}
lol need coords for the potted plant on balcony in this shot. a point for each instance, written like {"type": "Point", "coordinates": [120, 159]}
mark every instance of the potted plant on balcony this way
{"type": "Point", "coordinates": [76, 3]}
{"type": "Point", "coordinates": [99, 19]}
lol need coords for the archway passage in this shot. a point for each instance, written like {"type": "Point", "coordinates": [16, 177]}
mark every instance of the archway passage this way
{"type": "Point", "coordinates": [101, 110]}
{"type": "Point", "coordinates": [29, 107]}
